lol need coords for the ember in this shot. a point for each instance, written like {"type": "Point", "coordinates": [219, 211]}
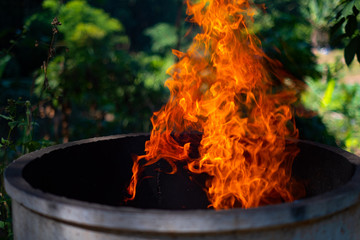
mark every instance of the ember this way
{"type": "Point", "coordinates": [223, 89]}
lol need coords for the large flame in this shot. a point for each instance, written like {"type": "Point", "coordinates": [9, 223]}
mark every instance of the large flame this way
{"type": "Point", "coordinates": [223, 89]}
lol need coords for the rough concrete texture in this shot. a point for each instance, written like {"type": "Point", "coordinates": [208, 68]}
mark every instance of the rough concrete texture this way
{"type": "Point", "coordinates": [344, 225]}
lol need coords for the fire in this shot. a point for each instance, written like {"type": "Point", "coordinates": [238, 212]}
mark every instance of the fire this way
{"type": "Point", "coordinates": [222, 89]}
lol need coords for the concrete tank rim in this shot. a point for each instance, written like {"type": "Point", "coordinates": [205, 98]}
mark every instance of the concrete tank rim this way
{"type": "Point", "coordinates": [176, 221]}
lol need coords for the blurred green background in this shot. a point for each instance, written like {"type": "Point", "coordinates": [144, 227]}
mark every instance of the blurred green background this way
{"type": "Point", "coordinates": [77, 69]}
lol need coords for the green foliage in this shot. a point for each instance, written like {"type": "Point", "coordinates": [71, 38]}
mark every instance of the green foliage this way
{"type": "Point", "coordinates": [18, 141]}
{"type": "Point", "coordinates": [139, 15]}
{"type": "Point", "coordinates": [346, 27]}
{"type": "Point", "coordinates": [153, 70]}
{"type": "Point", "coordinates": [163, 37]}
{"type": "Point", "coordinates": [86, 26]}
{"type": "Point", "coordinates": [285, 35]}
{"type": "Point", "coordinates": [95, 84]}
{"type": "Point", "coordinates": [338, 105]}
{"type": "Point", "coordinates": [326, 100]}
{"type": "Point", "coordinates": [318, 12]}
{"type": "Point", "coordinates": [154, 64]}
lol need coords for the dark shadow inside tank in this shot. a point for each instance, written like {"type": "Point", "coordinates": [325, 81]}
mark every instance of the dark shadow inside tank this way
{"type": "Point", "coordinates": [99, 172]}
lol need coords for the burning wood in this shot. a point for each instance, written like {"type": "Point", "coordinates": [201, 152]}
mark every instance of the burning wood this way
{"type": "Point", "coordinates": [223, 88]}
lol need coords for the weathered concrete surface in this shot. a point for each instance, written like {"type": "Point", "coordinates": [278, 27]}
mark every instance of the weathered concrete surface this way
{"type": "Point", "coordinates": [344, 225]}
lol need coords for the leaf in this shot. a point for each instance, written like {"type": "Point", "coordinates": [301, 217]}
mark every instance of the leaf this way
{"type": "Point", "coordinates": [351, 49]}
{"type": "Point", "coordinates": [337, 25]}
{"type": "Point", "coordinates": [338, 39]}
{"type": "Point", "coordinates": [22, 124]}
{"type": "Point", "coordinates": [351, 25]}
{"type": "Point", "coordinates": [338, 15]}
{"type": "Point", "coordinates": [2, 224]}
{"type": "Point", "coordinates": [5, 141]}
{"type": "Point", "coordinates": [328, 93]}
{"type": "Point", "coordinates": [6, 117]}
{"type": "Point", "coordinates": [13, 124]}
{"type": "Point", "coordinates": [356, 11]}
{"type": "Point", "coordinates": [348, 9]}
{"type": "Point", "coordinates": [357, 5]}
{"type": "Point", "coordinates": [351, 142]}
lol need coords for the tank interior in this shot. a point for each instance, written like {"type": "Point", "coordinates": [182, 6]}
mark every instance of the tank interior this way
{"type": "Point", "coordinates": [99, 172]}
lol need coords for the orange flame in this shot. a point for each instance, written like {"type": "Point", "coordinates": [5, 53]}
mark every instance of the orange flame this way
{"type": "Point", "coordinates": [222, 88]}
